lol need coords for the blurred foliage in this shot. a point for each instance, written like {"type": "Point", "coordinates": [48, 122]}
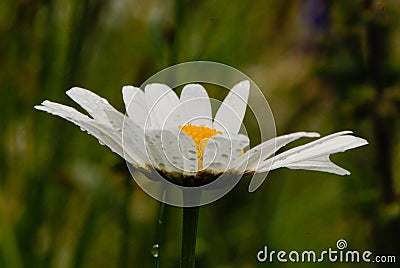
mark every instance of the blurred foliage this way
{"type": "Point", "coordinates": [324, 66]}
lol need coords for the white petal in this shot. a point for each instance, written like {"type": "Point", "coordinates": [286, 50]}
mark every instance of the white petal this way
{"type": "Point", "coordinates": [135, 104]}
{"type": "Point", "coordinates": [222, 151]}
{"type": "Point", "coordinates": [169, 153]}
{"type": "Point", "coordinates": [322, 163]}
{"type": "Point", "coordinates": [230, 114]}
{"type": "Point", "coordinates": [92, 103]}
{"type": "Point", "coordinates": [154, 151]}
{"type": "Point", "coordinates": [115, 118]}
{"type": "Point", "coordinates": [131, 135]}
{"type": "Point", "coordinates": [189, 153]}
{"type": "Point", "coordinates": [316, 151]}
{"type": "Point", "coordinates": [164, 106]}
{"type": "Point", "coordinates": [63, 111]}
{"type": "Point", "coordinates": [102, 132]}
{"type": "Point", "coordinates": [196, 104]}
{"type": "Point", "coordinates": [259, 153]}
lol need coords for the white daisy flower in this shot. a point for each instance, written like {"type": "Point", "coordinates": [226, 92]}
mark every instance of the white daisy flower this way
{"type": "Point", "coordinates": [178, 138]}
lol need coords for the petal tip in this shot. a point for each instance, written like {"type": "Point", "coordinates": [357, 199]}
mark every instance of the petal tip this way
{"type": "Point", "coordinates": [38, 107]}
{"type": "Point", "coordinates": [74, 90]}
{"type": "Point", "coordinates": [126, 88]}
{"type": "Point", "coordinates": [252, 190]}
{"type": "Point", "coordinates": [312, 134]}
{"type": "Point", "coordinates": [243, 86]}
{"type": "Point", "coordinates": [363, 142]}
{"type": "Point", "coordinates": [156, 86]}
{"type": "Point", "coordinates": [255, 183]}
{"type": "Point", "coordinates": [194, 86]}
{"type": "Point", "coordinates": [244, 83]}
{"type": "Point", "coordinates": [46, 103]}
{"type": "Point", "coordinates": [128, 92]}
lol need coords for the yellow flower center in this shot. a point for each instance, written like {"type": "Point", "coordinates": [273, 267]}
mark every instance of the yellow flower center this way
{"type": "Point", "coordinates": [200, 136]}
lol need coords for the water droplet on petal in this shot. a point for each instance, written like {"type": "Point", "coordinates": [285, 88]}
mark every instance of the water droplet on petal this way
{"type": "Point", "coordinates": [155, 250]}
{"type": "Point", "coordinates": [217, 165]}
{"type": "Point", "coordinates": [101, 143]}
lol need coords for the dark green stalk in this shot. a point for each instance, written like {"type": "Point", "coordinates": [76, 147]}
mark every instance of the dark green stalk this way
{"type": "Point", "coordinates": [160, 233]}
{"type": "Point", "coordinates": [189, 235]}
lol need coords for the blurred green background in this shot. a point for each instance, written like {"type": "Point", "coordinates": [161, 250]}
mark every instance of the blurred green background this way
{"type": "Point", "coordinates": [325, 66]}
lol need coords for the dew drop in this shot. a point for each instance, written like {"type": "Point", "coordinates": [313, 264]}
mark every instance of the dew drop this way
{"type": "Point", "coordinates": [217, 165]}
{"type": "Point", "coordinates": [224, 155]}
{"type": "Point", "coordinates": [101, 143]}
{"type": "Point", "coordinates": [155, 250]}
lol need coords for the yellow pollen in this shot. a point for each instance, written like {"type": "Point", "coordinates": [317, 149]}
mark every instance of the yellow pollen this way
{"type": "Point", "coordinates": [200, 136]}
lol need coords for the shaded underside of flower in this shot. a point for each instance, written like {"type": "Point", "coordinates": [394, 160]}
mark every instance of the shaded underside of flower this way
{"type": "Point", "coordinates": [178, 138]}
{"type": "Point", "coordinates": [200, 179]}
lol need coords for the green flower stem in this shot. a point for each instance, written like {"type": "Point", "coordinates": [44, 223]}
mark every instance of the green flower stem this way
{"type": "Point", "coordinates": [160, 234]}
{"type": "Point", "coordinates": [189, 235]}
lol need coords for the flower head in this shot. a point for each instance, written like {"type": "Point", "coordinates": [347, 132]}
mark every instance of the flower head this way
{"type": "Point", "coordinates": [178, 137]}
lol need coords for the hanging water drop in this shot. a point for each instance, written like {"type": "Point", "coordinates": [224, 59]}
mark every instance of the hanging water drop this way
{"type": "Point", "coordinates": [155, 250]}
{"type": "Point", "coordinates": [101, 143]}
